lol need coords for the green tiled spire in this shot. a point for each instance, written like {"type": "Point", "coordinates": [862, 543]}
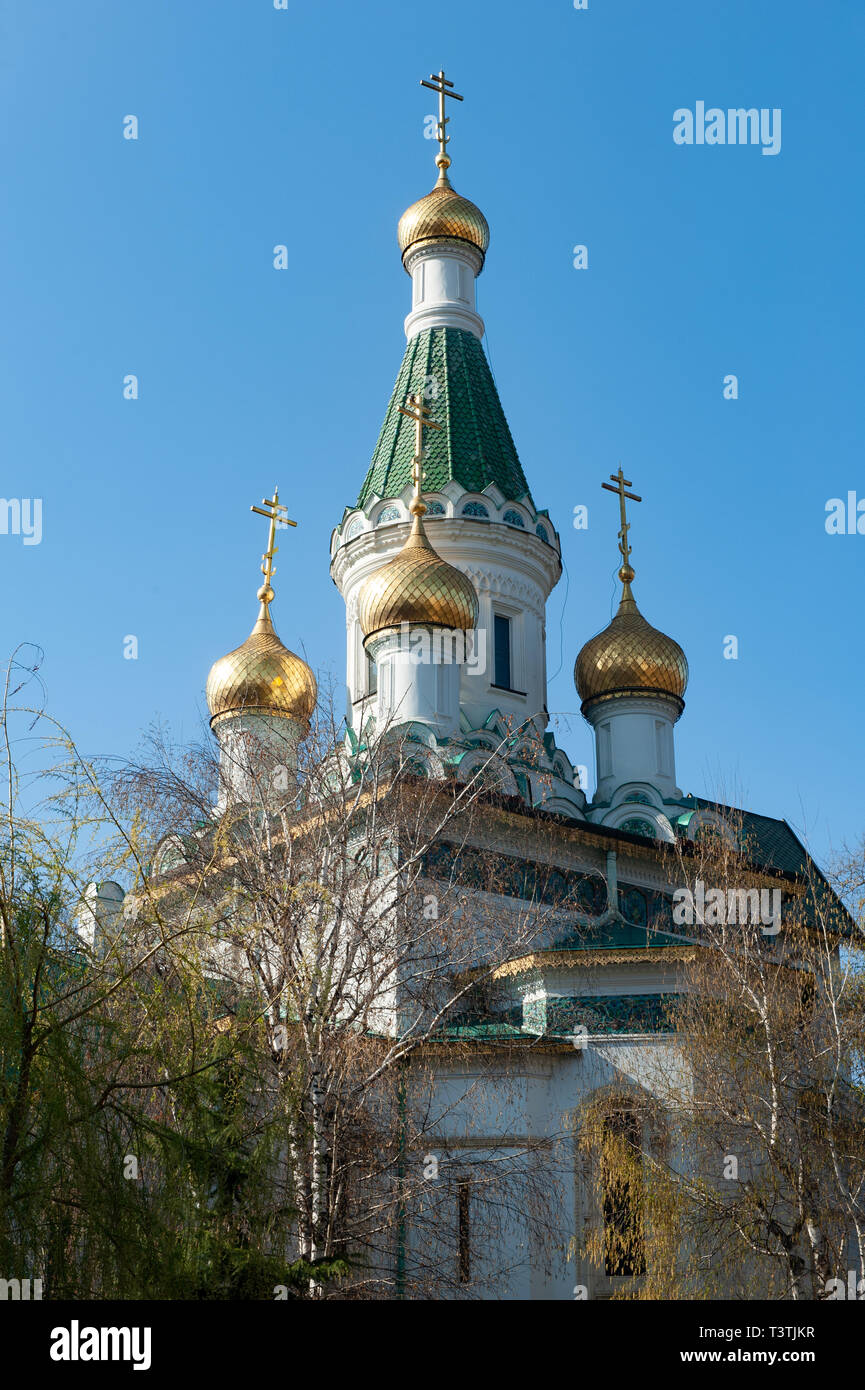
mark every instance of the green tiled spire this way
{"type": "Point", "coordinates": [474, 447]}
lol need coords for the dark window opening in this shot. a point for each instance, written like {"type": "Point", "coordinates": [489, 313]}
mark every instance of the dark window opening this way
{"type": "Point", "coordinates": [465, 1254]}
{"type": "Point", "coordinates": [371, 676]}
{"type": "Point", "coordinates": [502, 650]}
{"type": "Point", "coordinates": [621, 1173]}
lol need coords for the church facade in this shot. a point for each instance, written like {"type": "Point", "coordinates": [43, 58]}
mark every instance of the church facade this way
{"type": "Point", "coordinates": [445, 563]}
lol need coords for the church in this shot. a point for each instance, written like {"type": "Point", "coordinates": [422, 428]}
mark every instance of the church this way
{"type": "Point", "coordinates": [445, 563]}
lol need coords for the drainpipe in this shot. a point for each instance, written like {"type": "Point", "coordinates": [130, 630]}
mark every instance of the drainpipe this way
{"type": "Point", "coordinates": [612, 882]}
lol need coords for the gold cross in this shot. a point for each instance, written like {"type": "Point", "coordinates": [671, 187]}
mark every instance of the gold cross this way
{"type": "Point", "coordinates": [417, 475]}
{"type": "Point", "coordinates": [439, 83]}
{"type": "Point", "coordinates": [621, 483]}
{"type": "Point", "coordinates": [415, 409]}
{"type": "Point", "coordinates": [275, 513]}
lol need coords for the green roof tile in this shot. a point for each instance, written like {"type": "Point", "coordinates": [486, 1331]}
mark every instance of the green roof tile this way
{"type": "Point", "coordinates": [475, 448]}
{"type": "Point", "coordinates": [613, 936]}
{"type": "Point", "coordinates": [768, 842]}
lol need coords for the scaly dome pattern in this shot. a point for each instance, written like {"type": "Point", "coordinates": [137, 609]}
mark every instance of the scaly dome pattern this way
{"type": "Point", "coordinates": [474, 447]}
{"type": "Point", "coordinates": [417, 587]}
{"type": "Point", "coordinates": [630, 657]}
{"type": "Point", "coordinates": [443, 215]}
{"type": "Point", "coordinates": [261, 676]}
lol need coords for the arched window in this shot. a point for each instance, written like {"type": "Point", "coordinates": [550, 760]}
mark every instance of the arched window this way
{"type": "Point", "coordinates": [634, 907]}
{"type": "Point", "coordinates": [637, 826]}
{"type": "Point", "coordinates": [476, 509]}
{"type": "Point", "coordinates": [514, 519]}
{"type": "Point", "coordinates": [542, 532]}
{"type": "Point", "coordinates": [591, 894]}
{"type": "Point", "coordinates": [623, 1195]}
{"type": "Point", "coordinates": [170, 855]}
{"type": "Point", "coordinates": [354, 528]}
{"type": "Point", "coordinates": [388, 514]}
{"type": "Point", "coordinates": [435, 509]}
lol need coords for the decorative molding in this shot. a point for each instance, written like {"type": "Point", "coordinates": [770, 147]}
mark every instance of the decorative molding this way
{"type": "Point", "coordinates": [499, 583]}
{"type": "Point", "coordinates": [580, 960]}
{"type": "Point", "coordinates": [495, 767]}
{"type": "Point", "coordinates": [450, 246]}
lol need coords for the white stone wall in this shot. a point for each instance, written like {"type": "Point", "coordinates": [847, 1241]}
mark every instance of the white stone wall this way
{"type": "Point", "coordinates": [634, 742]}
{"type": "Point", "coordinates": [443, 288]}
{"type": "Point", "coordinates": [532, 1105]}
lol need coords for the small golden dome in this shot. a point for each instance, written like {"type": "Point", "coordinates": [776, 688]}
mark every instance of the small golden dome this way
{"type": "Point", "coordinates": [417, 586]}
{"type": "Point", "coordinates": [443, 214]}
{"type": "Point", "coordinates": [630, 657]}
{"type": "Point", "coordinates": [261, 675]}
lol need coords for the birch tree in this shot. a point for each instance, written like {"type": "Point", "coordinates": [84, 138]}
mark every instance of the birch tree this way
{"type": "Point", "coordinates": [758, 1189]}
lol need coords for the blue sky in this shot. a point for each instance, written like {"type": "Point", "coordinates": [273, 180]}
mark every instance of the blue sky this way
{"type": "Point", "coordinates": [304, 126]}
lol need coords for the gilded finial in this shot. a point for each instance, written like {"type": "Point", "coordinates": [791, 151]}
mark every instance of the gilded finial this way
{"type": "Point", "coordinates": [626, 573]}
{"type": "Point", "coordinates": [629, 657]}
{"type": "Point", "coordinates": [439, 83]}
{"type": "Point", "coordinates": [275, 512]}
{"type": "Point", "coordinates": [443, 215]}
{"type": "Point", "coordinates": [262, 676]}
{"type": "Point", "coordinates": [415, 409]}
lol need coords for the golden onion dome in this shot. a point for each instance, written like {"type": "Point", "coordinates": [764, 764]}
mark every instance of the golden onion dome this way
{"type": "Point", "coordinates": [443, 215]}
{"type": "Point", "coordinates": [261, 675]}
{"type": "Point", "coordinates": [630, 657]}
{"type": "Point", "coordinates": [417, 586]}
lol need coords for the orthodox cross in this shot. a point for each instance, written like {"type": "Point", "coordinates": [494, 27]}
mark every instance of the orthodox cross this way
{"type": "Point", "coordinates": [621, 482]}
{"type": "Point", "coordinates": [415, 409]}
{"type": "Point", "coordinates": [274, 510]}
{"type": "Point", "coordinates": [439, 83]}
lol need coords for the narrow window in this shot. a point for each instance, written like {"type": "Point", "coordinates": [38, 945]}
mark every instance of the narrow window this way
{"type": "Point", "coordinates": [465, 1255]}
{"type": "Point", "coordinates": [662, 745]}
{"type": "Point", "coordinates": [441, 689]}
{"type": "Point", "coordinates": [621, 1171]}
{"type": "Point", "coordinates": [502, 643]}
{"type": "Point", "coordinates": [605, 751]}
{"type": "Point", "coordinates": [371, 676]}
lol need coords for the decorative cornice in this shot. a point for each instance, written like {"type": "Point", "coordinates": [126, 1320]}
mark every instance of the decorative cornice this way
{"type": "Point", "coordinates": [500, 582]}
{"type": "Point", "coordinates": [449, 246]}
{"type": "Point", "coordinates": [464, 542]}
{"type": "Point", "coordinates": [578, 960]}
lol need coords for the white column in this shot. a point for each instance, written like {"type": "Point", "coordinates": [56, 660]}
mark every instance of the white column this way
{"type": "Point", "coordinates": [98, 913]}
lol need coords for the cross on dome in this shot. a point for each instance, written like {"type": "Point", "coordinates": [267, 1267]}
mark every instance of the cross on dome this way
{"type": "Point", "coordinates": [415, 409]}
{"type": "Point", "coordinates": [626, 572]}
{"type": "Point", "coordinates": [276, 514]}
{"type": "Point", "coordinates": [439, 83]}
